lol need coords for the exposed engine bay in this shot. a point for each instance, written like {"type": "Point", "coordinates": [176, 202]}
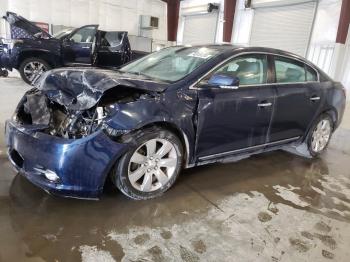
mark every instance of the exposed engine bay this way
{"type": "Point", "coordinates": [52, 118]}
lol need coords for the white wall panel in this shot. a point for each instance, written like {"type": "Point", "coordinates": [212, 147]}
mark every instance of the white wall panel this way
{"type": "Point", "coordinates": [242, 24]}
{"type": "Point", "coordinates": [110, 14]}
{"type": "Point", "coordinates": [286, 27]}
{"type": "Point", "coordinates": [59, 14]}
{"type": "Point", "coordinates": [200, 29]}
{"type": "Point", "coordinates": [194, 6]}
{"type": "Point", "coordinates": [326, 21]}
{"type": "Point", "coordinates": [3, 9]}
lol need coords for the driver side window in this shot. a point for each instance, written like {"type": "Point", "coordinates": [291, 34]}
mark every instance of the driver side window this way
{"type": "Point", "coordinates": [84, 35]}
{"type": "Point", "coordinates": [250, 69]}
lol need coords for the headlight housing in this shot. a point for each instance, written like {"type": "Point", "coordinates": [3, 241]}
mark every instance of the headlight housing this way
{"type": "Point", "coordinates": [110, 131]}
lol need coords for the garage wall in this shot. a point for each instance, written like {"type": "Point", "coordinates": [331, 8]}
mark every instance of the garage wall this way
{"type": "Point", "coordinates": [286, 27]}
{"type": "Point", "coordinates": [242, 24]}
{"type": "Point", "coordinates": [322, 46]}
{"type": "Point", "coordinates": [345, 75]}
{"type": "Point", "coordinates": [3, 8]}
{"type": "Point", "coordinates": [197, 26]}
{"type": "Point", "coordinates": [110, 14]}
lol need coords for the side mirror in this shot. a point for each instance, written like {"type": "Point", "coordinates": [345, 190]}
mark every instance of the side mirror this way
{"type": "Point", "coordinates": [224, 81]}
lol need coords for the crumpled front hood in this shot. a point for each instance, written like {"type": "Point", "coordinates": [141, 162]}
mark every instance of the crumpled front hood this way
{"type": "Point", "coordinates": [82, 88]}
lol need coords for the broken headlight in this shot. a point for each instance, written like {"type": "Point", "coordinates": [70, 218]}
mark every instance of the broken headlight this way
{"type": "Point", "coordinates": [110, 131]}
{"type": "Point", "coordinates": [108, 111]}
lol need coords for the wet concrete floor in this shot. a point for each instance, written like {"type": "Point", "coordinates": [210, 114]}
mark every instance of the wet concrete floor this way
{"type": "Point", "coordinates": [271, 207]}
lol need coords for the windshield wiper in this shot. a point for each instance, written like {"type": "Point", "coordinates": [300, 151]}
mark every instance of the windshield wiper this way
{"type": "Point", "coordinates": [137, 73]}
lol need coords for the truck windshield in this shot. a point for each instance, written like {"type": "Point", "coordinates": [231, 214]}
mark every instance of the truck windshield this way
{"type": "Point", "coordinates": [171, 64]}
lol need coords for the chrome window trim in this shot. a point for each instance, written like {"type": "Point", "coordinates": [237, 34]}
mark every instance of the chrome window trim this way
{"type": "Point", "coordinates": [247, 148]}
{"type": "Point", "coordinates": [266, 84]}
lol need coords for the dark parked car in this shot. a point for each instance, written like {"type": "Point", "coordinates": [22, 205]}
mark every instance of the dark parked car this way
{"type": "Point", "coordinates": [34, 51]}
{"type": "Point", "coordinates": [177, 108]}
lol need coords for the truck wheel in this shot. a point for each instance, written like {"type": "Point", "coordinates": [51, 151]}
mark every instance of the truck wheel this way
{"type": "Point", "coordinates": [4, 73]}
{"type": "Point", "coordinates": [151, 165]}
{"type": "Point", "coordinates": [31, 68]}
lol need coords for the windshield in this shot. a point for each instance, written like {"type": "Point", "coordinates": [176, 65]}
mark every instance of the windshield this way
{"type": "Point", "coordinates": [63, 33]}
{"type": "Point", "coordinates": [171, 64]}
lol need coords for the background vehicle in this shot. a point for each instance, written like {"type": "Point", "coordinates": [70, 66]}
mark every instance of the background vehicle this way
{"type": "Point", "coordinates": [3, 71]}
{"type": "Point", "coordinates": [33, 51]}
{"type": "Point", "coordinates": [173, 109]}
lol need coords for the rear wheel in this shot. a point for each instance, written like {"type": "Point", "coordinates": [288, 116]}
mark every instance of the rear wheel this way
{"type": "Point", "coordinates": [320, 135]}
{"type": "Point", "coordinates": [31, 68]}
{"type": "Point", "coordinates": [152, 164]}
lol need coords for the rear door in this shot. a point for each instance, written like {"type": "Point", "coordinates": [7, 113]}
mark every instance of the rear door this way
{"type": "Point", "coordinates": [235, 120]}
{"type": "Point", "coordinates": [299, 97]}
{"type": "Point", "coordinates": [77, 47]}
{"type": "Point", "coordinates": [113, 49]}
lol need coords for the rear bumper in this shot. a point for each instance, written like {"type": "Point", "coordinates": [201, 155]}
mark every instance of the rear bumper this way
{"type": "Point", "coordinates": [81, 165]}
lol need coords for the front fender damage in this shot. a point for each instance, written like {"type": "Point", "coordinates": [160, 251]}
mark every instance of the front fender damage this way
{"type": "Point", "coordinates": [75, 103]}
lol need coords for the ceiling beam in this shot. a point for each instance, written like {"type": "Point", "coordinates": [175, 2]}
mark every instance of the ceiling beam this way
{"type": "Point", "coordinates": [229, 14]}
{"type": "Point", "coordinates": [344, 20]}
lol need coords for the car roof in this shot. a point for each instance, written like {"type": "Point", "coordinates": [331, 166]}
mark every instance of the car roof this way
{"type": "Point", "coordinates": [229, 48]}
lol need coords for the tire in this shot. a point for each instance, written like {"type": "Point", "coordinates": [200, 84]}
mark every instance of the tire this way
{"type": "Point", "coordinates": [4, 73]}
{"type": "Point", "coordinates": [314, 135]}
{"type": "Point", "coordinates": [149, 185]}
{"type": "Point", "coordinates": [37, 65]}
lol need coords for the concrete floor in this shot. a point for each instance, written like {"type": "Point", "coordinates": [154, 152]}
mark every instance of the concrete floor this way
{"type": "Point", "coordinates": [271, 207]}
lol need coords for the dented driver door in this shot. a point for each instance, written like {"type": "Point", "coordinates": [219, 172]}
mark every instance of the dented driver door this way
{"type": "Point", "coordinates": [233, 120]}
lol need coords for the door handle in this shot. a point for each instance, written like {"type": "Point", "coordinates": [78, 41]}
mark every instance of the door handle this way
{"type": "Point", "coordinates": [265, 104]}
{"type": "Point", "coordinates": [85, 47]}
{"type": "Point", "coordinates": [315, 98]}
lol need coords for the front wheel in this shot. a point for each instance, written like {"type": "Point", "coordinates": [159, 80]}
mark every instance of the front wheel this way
{"type": "Point", "coordinates": [31, 68]}
{"type": "Point", "coordinates": [320, 135]}
{"type": "Point", "coordinates": [152, 164]}
{"type": "Point", "coordinates": [4, 73]}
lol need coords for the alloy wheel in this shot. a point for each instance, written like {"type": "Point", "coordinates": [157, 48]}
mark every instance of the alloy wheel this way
{"type": "Point", "coordinates": [321, 135]}
{"type": "Point", "coordinates": [33, 69]}
{"type": "Point", "coordinates": [152, 165]}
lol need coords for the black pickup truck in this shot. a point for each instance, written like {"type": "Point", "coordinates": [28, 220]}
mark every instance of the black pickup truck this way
{"type": "Point", "coordinates": [32, 51]}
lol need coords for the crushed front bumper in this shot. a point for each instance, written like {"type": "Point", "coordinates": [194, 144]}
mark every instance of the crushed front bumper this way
{"type": "Point", "coordinates": [80, 165]}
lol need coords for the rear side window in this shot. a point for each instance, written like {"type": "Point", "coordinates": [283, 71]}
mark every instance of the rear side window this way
{"type": "Point", "coordinates": [111, 39]}
{"type": "Point", "coordinates": [311, 75]}
{"type": "Point", "coordinates": [289, 71]}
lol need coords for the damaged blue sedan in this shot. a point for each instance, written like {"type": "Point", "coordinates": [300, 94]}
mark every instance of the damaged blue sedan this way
{"type": "Point", "coordinates": [173, 109]}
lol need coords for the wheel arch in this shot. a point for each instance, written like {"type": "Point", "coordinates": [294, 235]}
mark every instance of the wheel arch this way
{"type": "Point", "coordinates": [172, 127]}
{"type": "Point", "coordinates": [332, 112]}
{"type": "Point", "coordinates": [42, 54]}
{"type": "Point", "coordinates": [178, 132]}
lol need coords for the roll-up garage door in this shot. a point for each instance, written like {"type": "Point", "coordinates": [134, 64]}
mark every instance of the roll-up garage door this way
{"type": "Point", "coordinates": [200, 29]}
{"type": "Point", "coordinates": [286, 27]}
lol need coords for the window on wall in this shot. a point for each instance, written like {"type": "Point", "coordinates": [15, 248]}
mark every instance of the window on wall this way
{"type": "Point", "coordinates": [250, 69]}
{"type": "Point", "coordinates": [289, 71]}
